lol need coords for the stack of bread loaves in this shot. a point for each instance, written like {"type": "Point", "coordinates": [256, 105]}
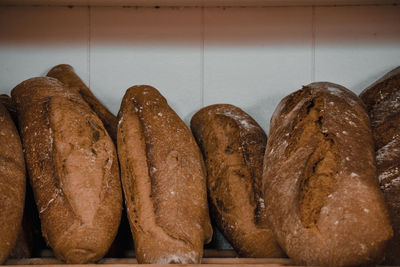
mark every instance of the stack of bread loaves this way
{"type": "Point", "coordinates": [310, 191]}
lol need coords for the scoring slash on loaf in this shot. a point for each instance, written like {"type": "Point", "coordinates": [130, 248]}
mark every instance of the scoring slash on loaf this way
{"type": "Point", "coordinates": [65, 74]}
{"type": "Point", "coordinates": [325, 206]}
{"type": "Point", "coordinates": [73, 169]}
{"type": "Point", "coordinates": [233, 145]}
{"type": "Point", "coordinates": [12, 183]}
{"type": "Point", "coordinates": [163, 178]}
{"type": "Point", "coordinates": [382, 99]}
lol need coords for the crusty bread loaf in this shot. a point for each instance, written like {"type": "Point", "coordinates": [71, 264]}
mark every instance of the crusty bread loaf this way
{"type": "Point", "coordinates": [65, 73]}
{"type": "Point", "coordinates": [233, 145]}
{"type": "Point", "coordinates": [12, 183]}
{"type": "Point", "coordinates": [382, 100]}
{"type": "Point", "coordinates": [163, 178]}
{"type": "Point", "coordinates": [324, 203]}
{"type": "Point", "coordinates": [73, 169]}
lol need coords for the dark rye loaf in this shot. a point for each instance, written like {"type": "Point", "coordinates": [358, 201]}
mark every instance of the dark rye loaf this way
{"type": "Point", "coordinates": [164, 180]}
{"type": "Point", "coordinates": [73, 169]}
{"type": "Point", "coordinates": [325, 206]}
{"type": "Point", "coordinates": [382, 100]}
{"type": "Point", "coordinates": [233, 145]}
{"type": "Point", "coordinates": [12, 183]}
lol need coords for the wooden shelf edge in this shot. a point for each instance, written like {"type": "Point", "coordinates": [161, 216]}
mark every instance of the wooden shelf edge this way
{"type": "Point", "coordinates": [115, 262]}
{"type": "Point", "coordinates": [132, 262]}
{"type": "Point", "coordinates": [195, 3]}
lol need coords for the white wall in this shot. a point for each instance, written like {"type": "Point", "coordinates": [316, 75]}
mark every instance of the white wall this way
{"type": "Point", "coordinates": [250, 57]}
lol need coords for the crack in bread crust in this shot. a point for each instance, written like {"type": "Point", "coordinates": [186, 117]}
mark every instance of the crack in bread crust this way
{"type": "Point", "coordinates": [318, 180]}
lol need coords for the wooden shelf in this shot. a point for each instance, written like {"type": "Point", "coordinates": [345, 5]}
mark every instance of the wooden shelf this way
{"type": "Point", "coordinates": [192, 3]}
{"type": "Point", "coordinates": [212, 262]}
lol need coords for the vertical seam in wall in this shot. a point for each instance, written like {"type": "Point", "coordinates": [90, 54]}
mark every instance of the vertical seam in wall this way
{"type": "Point", "coordinates": [202, 54]}
{"type": "Point", "coordinates": [313, 32]}
{"type": "Point", "coordinates": [89, 43]}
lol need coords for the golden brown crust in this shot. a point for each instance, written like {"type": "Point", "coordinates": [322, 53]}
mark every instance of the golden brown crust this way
{"type": "Point", "coordinates": [12, 183]}
{"type": "Point", "coordinates": [382, 99]}
{"type": "Point", "coordinates": [325, 206]}
{"type": "Point", "coordinates": [164, 181]}
{"type": "Point", "coordinates": [73, 169]}
{"type": "Point", "coordinates": [65, 74]}
{"type": "Point", "coordinates": [233, 145]}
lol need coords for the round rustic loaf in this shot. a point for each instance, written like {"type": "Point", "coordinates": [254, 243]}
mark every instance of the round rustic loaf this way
{"type": "Point", "coordinates": [73, 169]}
{"type": "Point", "coordinates": [324, 202]}
{"type": "Point", "coordinates": [233, 145]}
{"type": "Point", "coordinates": [12, 183]}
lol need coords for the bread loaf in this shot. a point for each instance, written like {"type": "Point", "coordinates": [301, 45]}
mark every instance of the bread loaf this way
{"type": "Point", "coordinates": [233, 145]}
{"type": "Point", "coordinates": [382, 100]}
{"type": "Point", "coordinates": [163, 178]}
{"type": "Point", "coordinates": [12, 183]}
{"type": "Point", "coordinates": [73, 169]}
{"type": "Point", "coordinates": [324, 202]}
{"type": "Point", "coordinates": [65, 73]}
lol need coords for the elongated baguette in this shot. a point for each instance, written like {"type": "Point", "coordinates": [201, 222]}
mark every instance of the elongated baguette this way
{"type": "Point", "coordinates": [325, 206]}
{"type": "Point", "coordinates": [233, 145]}
{"type": "Point", "coordinates": [73, 169]}
{"type": "Point", "coordinates": [66, 74]}
{"type": "Point", "coordinates": [164, 180]}
{"type": "Point", "coordinates": [12, 183]}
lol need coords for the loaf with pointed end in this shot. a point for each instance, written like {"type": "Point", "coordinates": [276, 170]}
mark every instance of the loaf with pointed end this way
{"type": "Point", "coordinates": [65, 73]}
{"type": "Point", "coordinates": [320, 182]}
{"type": "Point", "coordinates": [164, 180]}
{"type": "Point", "coordinates": [23, 245]}
{"type": "Point", "coordinates": [382, 100]}
{"type": "Point", "coordinates": [73, 169]}
{"type": "Point", "coordinates": [233, 145]}
{"type": "Point", "coordinates": [12, 183]}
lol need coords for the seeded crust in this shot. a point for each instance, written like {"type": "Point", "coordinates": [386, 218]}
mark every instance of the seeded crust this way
{"type": "Point", "coordinates": [233, 145]}
{"type": "Point", "coordinates": [65, 74]}
{"type": "Point", "coordinates": [382, 100]}
{"type": "Point", "coordinates": [73, 169]}
{"type": "Point", "coordinates": [325, 206]}
{"type": "Point", "coordinates": [164, 180]}
{"type": "Point", "coordinates": [12, 183]}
